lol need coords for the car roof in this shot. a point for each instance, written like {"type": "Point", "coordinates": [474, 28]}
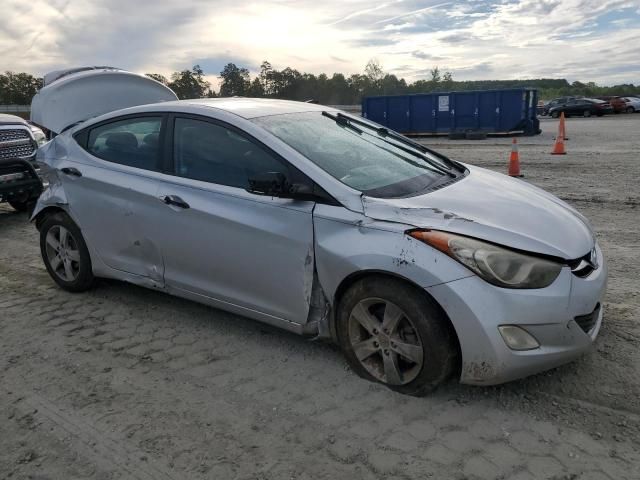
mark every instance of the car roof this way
{"type": "Point", "coordinates": [246, 107]}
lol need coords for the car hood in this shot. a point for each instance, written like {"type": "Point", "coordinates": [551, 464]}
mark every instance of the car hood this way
{"type": "Point", "coordinates": [494, 207]}
{"type": "Point", "coordinates": [6, 119]}
{"type": "Point", "coordinates": [80, 94]}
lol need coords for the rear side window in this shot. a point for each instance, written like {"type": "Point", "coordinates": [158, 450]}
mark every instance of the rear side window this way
{"type": "Point", "coordinates": [216, 154]}
{"type": "Point", "coordinates": [134, 142]}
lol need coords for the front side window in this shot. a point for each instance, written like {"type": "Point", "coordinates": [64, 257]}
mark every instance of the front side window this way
{"type": "Point", "coordinates": [133, 142]}
{"type": "Point", "coordinates": [213, 153]}
{"type": "Point", "coordinates": [367, 161]}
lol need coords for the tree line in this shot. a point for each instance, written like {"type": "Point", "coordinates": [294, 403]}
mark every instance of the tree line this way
{"type": "Point", "coordinates": [337, 89]}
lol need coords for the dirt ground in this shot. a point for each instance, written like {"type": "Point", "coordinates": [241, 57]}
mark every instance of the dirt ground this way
{"type": "Point", "coordinates": [123, 382]}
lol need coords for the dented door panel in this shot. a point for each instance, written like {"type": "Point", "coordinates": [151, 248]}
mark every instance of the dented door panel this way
{"type": "Point", "coordinates": [251, 251]}
{"type": "Point", "coordinates": [115, 206]}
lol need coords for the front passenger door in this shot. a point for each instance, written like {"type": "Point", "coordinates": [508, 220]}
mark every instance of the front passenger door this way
{"type": "Point", "coordinates": [221, 242]}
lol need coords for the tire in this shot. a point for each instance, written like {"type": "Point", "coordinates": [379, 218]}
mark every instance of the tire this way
{"type": "Point", "coordinates": [65, 253]}
{"type": "Point", "coordinates": [421, 331]}
{"type": "Point", "coordinates": [555, 114]}
{"type": "Point", "coordinates": [19, 206]}
{"type": "Point", "coordinates": [630, 110]}
{"type": "Point", "coordinates": [586, 113]}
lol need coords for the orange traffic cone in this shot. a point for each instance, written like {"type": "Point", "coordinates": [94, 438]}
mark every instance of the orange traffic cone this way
{"type": "Point", "coordinates": [514, 160]}
{"type": "Point", "coordinates": [562, 131]}
{"type": "Point", "coordinates": [558, 147]}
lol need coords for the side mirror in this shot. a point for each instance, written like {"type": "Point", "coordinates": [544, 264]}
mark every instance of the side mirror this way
{"type": "Point", "coordinates": [273, 184]}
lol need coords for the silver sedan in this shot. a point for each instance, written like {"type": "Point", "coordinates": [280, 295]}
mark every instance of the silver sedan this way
{"type": "Point", "coordinates": [419, 267]}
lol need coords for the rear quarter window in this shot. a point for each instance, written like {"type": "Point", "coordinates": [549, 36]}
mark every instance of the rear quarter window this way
{"type": "Point", "coordinates": [134, 142]}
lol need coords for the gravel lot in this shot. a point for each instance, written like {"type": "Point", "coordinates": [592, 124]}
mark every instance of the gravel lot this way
{"type": "Point", "coordinates": [123, 382]}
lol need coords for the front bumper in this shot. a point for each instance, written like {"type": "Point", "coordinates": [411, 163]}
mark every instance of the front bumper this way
{"type": "Point", "coordinates": [477, 308]}
{"type": "Point", "coordinates": [19, 180]}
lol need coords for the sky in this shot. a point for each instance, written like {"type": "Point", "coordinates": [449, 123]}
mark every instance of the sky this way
{"type": "Point", "coordinates": [585, 40]}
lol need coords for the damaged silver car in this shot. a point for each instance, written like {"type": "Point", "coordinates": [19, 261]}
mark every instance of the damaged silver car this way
{"type": "Point", "coordinates": [318, 222]}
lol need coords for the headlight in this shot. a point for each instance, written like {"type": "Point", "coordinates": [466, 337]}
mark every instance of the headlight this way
{"type": "Point", "coordinates": [38, 136]}
{"type": "Point", "coordinates": [497, 265]}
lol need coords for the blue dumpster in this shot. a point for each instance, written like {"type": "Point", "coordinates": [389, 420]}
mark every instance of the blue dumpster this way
{"type": "Point", "coordinates": [489, 111]}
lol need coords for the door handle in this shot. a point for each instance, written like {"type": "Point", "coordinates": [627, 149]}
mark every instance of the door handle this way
{"type": "Point", "coordinates": [71, 171]}
{"type": "Point", "coordinates": [175, 201]}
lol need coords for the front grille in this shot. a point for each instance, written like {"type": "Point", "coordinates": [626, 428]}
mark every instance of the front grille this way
{"type": "Point", "coordinates": [588, 322]}
{"type": "Point", "coordinates": [16, 143]}
{"type": "Point", "coordinates": [23, 150]}
{"type": "Point", "coordinates": [13, 134]}
{"type": "Point", "coordinates": [582, 267]}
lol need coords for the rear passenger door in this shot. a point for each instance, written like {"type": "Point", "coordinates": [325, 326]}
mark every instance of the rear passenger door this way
{"type": "Point", "coordinates": [247, 252]}
{"type": "Point", "coordinates": [572, 108]}
{"type": "Point", "coordinates": [110, 179]}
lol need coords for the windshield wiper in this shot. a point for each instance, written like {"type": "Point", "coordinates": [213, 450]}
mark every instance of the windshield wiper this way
{"type": "Point", "coordinates": [346, 121]}
{"type": "Point", "coordinates": [342, 121]}
{"type": "Point", "coordinates": [384, 132]}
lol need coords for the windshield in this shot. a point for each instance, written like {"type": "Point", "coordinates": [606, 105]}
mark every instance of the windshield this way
{"type": "Point", "coordinates": [359, 156]}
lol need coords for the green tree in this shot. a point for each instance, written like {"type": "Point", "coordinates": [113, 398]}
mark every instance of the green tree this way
{"type": "Point", "coordinates": [190, 83]}
{"type": "Point", "coordinates": [18, 88]}
{"type": "Point", "coordinates": [447, 80]}
{"type": "Point", "coordinates": [256, 89]}
{"type": "Point", "coordinates": [266, 78]}
{"type": "Point", "coordinates": [374, 72]}
{"type": "Point", "coordinates": [235, 81]}
{"type": "Point", "coordinates": [158, 78]}
{"type": "Point", "coordinates": [436, 78]}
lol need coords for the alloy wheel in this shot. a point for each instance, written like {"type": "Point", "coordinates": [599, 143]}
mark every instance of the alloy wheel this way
{"type": "Point", "coordinates": [385, 341]}
{"type": "Point", "coordinates": [63, 253]}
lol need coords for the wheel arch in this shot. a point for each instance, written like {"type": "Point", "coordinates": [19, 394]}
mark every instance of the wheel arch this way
{"type": "Point", "coordinates": [39, 217]}
{"type": "Point", "coordinates": [354, 277]}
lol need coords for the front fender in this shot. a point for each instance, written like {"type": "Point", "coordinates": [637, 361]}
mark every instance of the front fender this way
{"type": "Point", "coordinates": [347, 246]}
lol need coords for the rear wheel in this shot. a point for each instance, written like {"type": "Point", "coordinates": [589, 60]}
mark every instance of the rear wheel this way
{"type": "Point", "coordinates": [586, 113]}
{"type": "Point", "coordinates": [393, 334]}
{"type": "Point", "coordinates": [65, 253]}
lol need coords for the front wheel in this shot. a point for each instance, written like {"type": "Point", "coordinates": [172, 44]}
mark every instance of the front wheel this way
{"type": "Point", "coordinates": [555, 114]}
{"type": "Point", "coordinates": [393, 334]}
{"type": "Point", "coordinates": [65, 253]}
{"type": "Point", "coordinates": [630, 109]}
{"type": "Point", "coordinates": [586, 113]}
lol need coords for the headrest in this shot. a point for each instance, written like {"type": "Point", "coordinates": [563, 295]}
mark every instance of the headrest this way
{"type": "Point", "coordinates": [151, 140]}
{"type": "Point", "coordinates": [122, 140]}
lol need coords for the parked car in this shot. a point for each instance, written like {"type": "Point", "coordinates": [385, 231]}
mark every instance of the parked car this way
{"type": "Point", "coordinates": [618, 104]}
{"type": "Point", "coordinates": [632, 104]}
{"type": "Point", "coordinates": [321, 223]}
{"type": "Point", "coordinates": [19, 181]}
{"type": "Point", "coordinates": [556, 102]}
{"type": "Point", "coordinates": [584, 107]}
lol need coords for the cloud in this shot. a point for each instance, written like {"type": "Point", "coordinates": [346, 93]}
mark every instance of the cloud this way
{"type": "Point", "coordinates": [457, 37]}
{"type": "Point", "coordinates": [413, 13]}
{"type": "Point", "coordinates": [574, 39]}
{"type": "Point", "coordinates": [426, 56]}
{"type": "Point", "coordinates": [373, 41]}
